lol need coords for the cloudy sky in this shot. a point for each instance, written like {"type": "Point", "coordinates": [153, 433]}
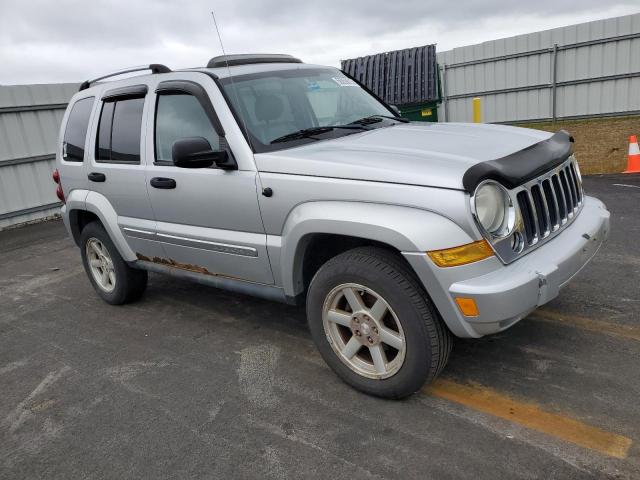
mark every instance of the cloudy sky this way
{"type": "Point", "coordinates": [44, 41]}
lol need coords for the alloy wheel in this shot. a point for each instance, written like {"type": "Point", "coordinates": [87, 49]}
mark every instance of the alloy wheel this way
{"type": "Point", "coordinates": [101, 265]}
{"type": "Point", "coordinates": [364, 331]}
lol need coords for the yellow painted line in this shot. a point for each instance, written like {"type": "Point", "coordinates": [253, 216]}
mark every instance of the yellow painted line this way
{"type": "Point", "coordinates": [530, 415]}
{"type": "Point", "coordinates": [631, 332]}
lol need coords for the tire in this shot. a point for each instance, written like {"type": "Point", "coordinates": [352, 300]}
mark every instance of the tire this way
{"type": "Point", "coordinates": [128, 283]}
{"type": "Point", "coordinates": [426, 344]}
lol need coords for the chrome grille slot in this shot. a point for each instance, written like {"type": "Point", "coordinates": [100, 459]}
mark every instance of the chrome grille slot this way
{"type": "Point", "coordinates": [546, 205]}
{"type": "Point", "coordinates": [575, 182]}
{"type": "Point", "coordinates": [567, 193]}
{"type": "Point", "coordinates": [551, 203]}
{"type": "Point", "coordinates": [572, 187]}
{"type": "Point", "coordinates": [572, 193]}
{"type": "Point", "coordinates": [562, 204]}
{"type": "Point", "coordinates": [541, 210]}
{"type": "Point", "coordinates": [528, 219]}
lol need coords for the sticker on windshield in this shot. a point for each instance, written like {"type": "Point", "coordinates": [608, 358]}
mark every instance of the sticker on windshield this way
{"type": "Point", "coordinates": [344, 81]}
{"type": "Point", "coordinates": [312, 86]}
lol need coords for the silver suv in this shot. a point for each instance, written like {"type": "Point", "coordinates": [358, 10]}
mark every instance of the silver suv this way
{"type": "Point", "coordinates": [270, 177]}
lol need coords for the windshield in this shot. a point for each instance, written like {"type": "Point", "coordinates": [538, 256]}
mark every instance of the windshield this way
{"type": "Point", "coordinates": [273, 105]}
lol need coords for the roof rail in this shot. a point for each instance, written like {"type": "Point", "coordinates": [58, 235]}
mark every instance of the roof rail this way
{"type": "Point", "coordinates": [249, 58]}
{"type": "Point", "coordinates": [154, 67]}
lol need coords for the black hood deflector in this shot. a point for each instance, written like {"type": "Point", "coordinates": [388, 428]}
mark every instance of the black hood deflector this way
{"type": "Point", "coordinates": [521, 166]}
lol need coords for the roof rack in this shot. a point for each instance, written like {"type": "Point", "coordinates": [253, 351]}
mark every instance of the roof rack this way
{"type": "Point", "coordinates": [154, 67]}
{"type": "Point", "coordinates": [249, 58]}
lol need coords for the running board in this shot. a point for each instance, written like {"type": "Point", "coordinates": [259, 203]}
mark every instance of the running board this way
{"type": "Point", "coordinates": [268, 292]}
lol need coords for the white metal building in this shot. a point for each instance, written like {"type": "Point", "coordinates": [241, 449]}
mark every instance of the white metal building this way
{"type": "Point", "coordinates": [586, 70]}
{"type": "Point", "coordinates": [30, 117]}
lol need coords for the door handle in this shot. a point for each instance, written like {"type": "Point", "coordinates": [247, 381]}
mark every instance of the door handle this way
{"type": "Point", "coordinates": [161, 182]}
{"type": "Point", "coordinates": [97, 177]}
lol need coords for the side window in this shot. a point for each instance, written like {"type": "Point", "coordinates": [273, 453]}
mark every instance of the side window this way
{"type": "Point", "coordinates": [119, 131]}
{"type": "Point", "coordinates": [75, 133]}
{"type": "Point", "coordinates": [180, 116]}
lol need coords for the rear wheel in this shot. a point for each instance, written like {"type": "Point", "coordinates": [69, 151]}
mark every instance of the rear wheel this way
{"type": "Point", "coordinates": [112, 278]}
{"type": "Point", "coordinates": [374, 324]}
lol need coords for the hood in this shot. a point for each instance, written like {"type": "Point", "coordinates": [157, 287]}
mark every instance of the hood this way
{"type": "Point", "coordinates": [429, 154]}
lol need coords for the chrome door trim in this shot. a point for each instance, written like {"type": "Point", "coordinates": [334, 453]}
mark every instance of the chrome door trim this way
{"type": "Point", "coordinates": [207, 245]}
{"type": "Point", "coordinates": [230, 249]}
{"type": "Point", "coordinates": [136, 233]}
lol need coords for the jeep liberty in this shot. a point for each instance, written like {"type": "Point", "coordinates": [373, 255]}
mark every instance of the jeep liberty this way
{"type": "Point", "coordinates": [270, 177]}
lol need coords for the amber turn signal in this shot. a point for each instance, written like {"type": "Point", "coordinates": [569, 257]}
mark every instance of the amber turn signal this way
{"type": "Point", "coordinates": [469, 253]}
{"type": "Point", "coordinates": [467, 306]}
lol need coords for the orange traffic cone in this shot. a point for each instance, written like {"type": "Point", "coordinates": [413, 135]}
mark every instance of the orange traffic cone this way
{"type": "Point", "coordinates": [633, 165]}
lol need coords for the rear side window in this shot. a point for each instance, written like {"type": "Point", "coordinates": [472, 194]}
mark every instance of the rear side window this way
{"type": "Point", "coordinates": [119, 131]}
{"type": "Point", "coordinates": [180, 116]}
{"type": "Point", "coordinates": [75, 133]}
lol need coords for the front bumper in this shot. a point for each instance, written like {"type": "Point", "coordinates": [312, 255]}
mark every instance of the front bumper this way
{"type": "Point", "coordinates": [505, 294]}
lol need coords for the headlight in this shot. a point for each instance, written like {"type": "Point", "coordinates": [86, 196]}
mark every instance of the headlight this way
{"type": "Point", "coordinates": [494, 209]}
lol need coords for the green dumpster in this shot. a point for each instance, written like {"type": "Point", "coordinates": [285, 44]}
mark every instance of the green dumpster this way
{"type": "Point", "coordinates": [421, 112]}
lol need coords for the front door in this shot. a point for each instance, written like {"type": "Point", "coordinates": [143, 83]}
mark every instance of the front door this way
{"type": "Point", "coordinates": [207, 219]}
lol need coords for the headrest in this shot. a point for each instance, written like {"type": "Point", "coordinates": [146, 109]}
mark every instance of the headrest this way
{"type": "Point", "coordinates": [268, 107]}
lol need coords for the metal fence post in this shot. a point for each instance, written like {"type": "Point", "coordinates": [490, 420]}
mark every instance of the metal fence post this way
{"type": "Point", "coordinates": [445, 103]}
{"type": "Point", "coordinates": [554, 82]}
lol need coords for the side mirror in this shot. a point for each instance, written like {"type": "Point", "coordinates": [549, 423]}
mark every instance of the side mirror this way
{"type": "Point", "coordinates": [396, 109]}
{"type": "Point", "coordinates": [196, 152]}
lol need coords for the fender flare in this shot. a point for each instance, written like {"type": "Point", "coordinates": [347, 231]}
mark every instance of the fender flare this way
{"type": "Point", "coordinates": [74, 202]}
{"type": "Point", "coordinates": [407, 229]}
{"type": "Point", "coordinates": [98, 204]}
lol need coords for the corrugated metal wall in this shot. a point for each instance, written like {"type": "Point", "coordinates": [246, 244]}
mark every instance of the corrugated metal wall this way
{"type": "Point", "coordinates": [597, 73]}
{"type": "Point", "coordinates": [399, 77]}
{"type": "Point", "coordinates": [30, 117]}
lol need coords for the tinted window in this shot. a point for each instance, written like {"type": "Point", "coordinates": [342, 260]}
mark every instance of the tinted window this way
{"type": "Point", "coordinates": [104, 132]}
{"type": "Point", "coordinates": [125, 133]}
{"type": "Point", "coordinates": [181, 116]}
{"type": "Point", "coordinates": [119, 131]}
{"type": "Point", "coordinates": [75, 133]}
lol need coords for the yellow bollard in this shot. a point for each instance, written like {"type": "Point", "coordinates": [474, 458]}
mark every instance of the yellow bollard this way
{"type": "Point", "coordinates": [477, 110]}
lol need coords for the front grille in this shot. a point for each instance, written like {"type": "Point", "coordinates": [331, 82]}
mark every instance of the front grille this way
{"type": "Point", "coordinates": [549, 202]}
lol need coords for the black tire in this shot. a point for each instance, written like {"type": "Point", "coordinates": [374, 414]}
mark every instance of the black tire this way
{"type": "Point", "coordinates": [130, 282]}
{"type": "Point", "coordinates": [428, 340]}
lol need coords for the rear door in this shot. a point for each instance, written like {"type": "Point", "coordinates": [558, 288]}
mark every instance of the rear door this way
{"type": "Point", "coordinates": [116, 170]}
{"type": "Point", "coordinates": [74, 141]}
{"type": "Point", "coordinates": [208, 220]}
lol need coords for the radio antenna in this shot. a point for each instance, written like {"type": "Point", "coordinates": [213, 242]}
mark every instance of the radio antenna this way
{"type": "Point", "coordinates": [233, 86]}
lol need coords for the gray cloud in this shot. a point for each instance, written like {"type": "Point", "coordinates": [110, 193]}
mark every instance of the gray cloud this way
{"type": "Point", "coordinates": [68, 40]}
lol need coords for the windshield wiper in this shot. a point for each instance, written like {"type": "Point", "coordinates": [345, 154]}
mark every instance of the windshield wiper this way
{"type": "Point", "coordinates": [376, 119]}
{"type": "Point", "coordinates": [310, 132]}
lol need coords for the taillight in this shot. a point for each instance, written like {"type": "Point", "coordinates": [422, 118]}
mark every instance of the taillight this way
{"type": "Point", "coordinates": [59, 192]}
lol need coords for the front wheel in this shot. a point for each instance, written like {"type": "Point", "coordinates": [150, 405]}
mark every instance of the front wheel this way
{"type": "Point", "coordinates": [374, 324]}
{"type": "Point", "coordinates": [112, 278]}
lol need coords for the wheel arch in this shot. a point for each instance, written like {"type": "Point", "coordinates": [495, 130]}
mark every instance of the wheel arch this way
{"type": "Point", "coordinates": [97, 207]}
{"type": "Point", "coordinates": [78, 219]}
